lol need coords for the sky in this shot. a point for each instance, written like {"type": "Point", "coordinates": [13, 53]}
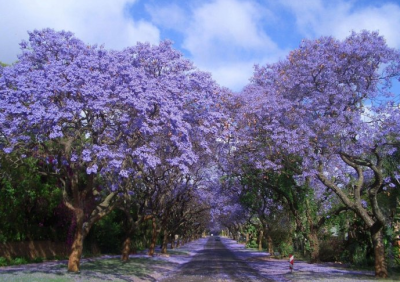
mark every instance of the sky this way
{"type": "Point", "coordinates": [223, 37]}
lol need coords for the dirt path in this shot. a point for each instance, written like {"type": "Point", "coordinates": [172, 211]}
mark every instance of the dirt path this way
{"type": "Point", "coordinates": [214, 263]}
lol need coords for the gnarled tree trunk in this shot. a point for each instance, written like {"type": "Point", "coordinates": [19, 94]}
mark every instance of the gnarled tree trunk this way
{"type": "Point", "coordinates": [77, 245]}
{"type": "Point", "coordinates": [314, 246]}
{"type": "Point", "coordinates": [379, 251]}
{"type": "Point", "coordinates": [375, 223]}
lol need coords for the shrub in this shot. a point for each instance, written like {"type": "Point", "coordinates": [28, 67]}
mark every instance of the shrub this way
{"type": "Point", "coordinates": [285, 249]}
{"type": "Point", "coordinates": [3, 261]}
{"type": "Point", "coordinates": [252, 243]}
{"type": "Point", "coordinates": [37, 260]}
{"type": "Point", "coordinates": [332, 249]}
{"type": "Point", "coordinates": [18, 261]}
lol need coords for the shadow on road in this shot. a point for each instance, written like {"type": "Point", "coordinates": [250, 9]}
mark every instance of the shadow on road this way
{"type": "Point", "coordinates": [215, 263]}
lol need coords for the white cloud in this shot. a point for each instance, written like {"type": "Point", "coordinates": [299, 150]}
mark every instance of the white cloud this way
{"type": "Point", "coordinates": [339, 18]}
{"type": "Point", "coordinates": [229, 23]}
{"type": "Point", "coordinates": [170, 16]}
{"type": "Point", "coordinates": [237, 73]}
{"type": "Point", "coordinates": [233, 75]}
{"type": "Point", "coordinates": [385, 19]}
{"type": "Point", "coordinates": [94, 21]}
{"type": "Point", "coordinates": [224, 37]}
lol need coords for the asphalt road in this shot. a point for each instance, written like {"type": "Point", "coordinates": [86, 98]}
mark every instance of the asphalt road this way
{"type": "Point", "coordinates": [214, 263]}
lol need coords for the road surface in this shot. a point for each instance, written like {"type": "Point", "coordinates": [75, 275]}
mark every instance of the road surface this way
{"type": "Point", "coordinates": [214, 263]}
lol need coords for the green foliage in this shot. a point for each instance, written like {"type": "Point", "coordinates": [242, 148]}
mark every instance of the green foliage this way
{"type": "Point", "coordinates": [3, 261]}
{"type": "Point", "coordinates": [395, 238]}
{"type": "Point", "coordinates": [18, 261]}
{"type": "Point", "coordinates": [37, 260]}
{"type": "Point", "coordinates": [331, 249]}
{"type": "Point", "coordinates": [396, 255]}
{"type": "Point", "coordinates": [59, 257]}
{"type": "Point", "coordinates": [285, 249]}
{"type": "Point", "coordinates": [358, 256]}
{"type": "Point", "coordinates": [109, 232]}
{"type": "Point", "coordinates": [28, 200]}
{"type": "Point", "coordinates": [251, 230]}
{"type": "Point", "coordinates": [358, 247]}
{"type": "Point", "coordinates": [252, 243]}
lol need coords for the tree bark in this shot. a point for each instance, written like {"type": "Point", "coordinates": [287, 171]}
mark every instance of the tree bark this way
{"type": "Point", "coordinates": [172, 241]}
{"type": "Point", "coordinates": [79, 200]}
{"type": "Point", "coordinates": [312, 235]}
{"type": "Point", "coordinates": [314, 246]}
{"type": "Point", "coordinates": [126, 249]}
{"type": "Point", "coordinates": [165, 242]}
{"type": "Point", "coordinates": [153, 238]}
{"type": "Point", "coordinates": [130, 228]}
{"type": "Point", "coordinates": [379, 251]}
{"type": "Point", "coordinates": [375, 224]}
{"type": "Point", "coordinates": [260, 238]}
{"type": "Point", "coordinates": [270, 245]}
{"type": "Point", "coordinates": [77, 245]}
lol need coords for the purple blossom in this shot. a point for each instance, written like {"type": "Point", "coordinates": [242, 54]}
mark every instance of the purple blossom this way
{"type": "Point", "coordinates": [56, 132]}
{"type": "Point", "coordinates": [74, 157]}
{"type": "Point", "coordinates": [114, 187]}
{"type": "Point", "coordinates": [124, 173]}
{"type": "Point", "coordinates": [364, 203]}
{"type": "Point", "coordinates": [86, 155]}
{"type": "Point", "coordinates": [92, 169]}
{"type": "Point", "coordinates": [8, 150]}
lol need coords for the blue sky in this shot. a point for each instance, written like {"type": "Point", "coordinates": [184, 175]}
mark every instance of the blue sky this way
{"type": "Point", "coordinates": [224, 37]}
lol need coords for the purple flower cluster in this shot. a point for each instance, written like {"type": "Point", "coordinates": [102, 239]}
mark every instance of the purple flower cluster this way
{"type": "Point", "coordinates": [108, 111]}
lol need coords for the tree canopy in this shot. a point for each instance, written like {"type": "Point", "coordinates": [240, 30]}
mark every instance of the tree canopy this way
{"type": "Point", "coordinates": [144, 131]}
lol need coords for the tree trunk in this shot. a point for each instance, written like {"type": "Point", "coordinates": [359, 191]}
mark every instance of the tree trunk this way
{"type": "Point", "coordinates": [312, 236]}
{"type": "Point", "coordinates": [379, 251]}
{"type": "Point", "coordinates": [314, 246]}
{"type": "Point", "coordinates": [153, 238]}
{"type": "Point", "coordinates": [260, 238]}
{"type": "Point", "coordinates": [77, 246]}
{"type": "Point", "coordinates": [165, 242]}
{"type": "Point", "coordinates": [270, 245]}
{"type": "Point", "coordinates": [172, 241]}
{"type": "Point", "coordinates": [126, 249]}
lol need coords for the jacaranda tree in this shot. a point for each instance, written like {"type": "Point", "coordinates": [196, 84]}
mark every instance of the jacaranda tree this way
{"type": "Point", "coordinates": [329, 103]}
{"type": "Point", "coordinates": [99, 117]}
